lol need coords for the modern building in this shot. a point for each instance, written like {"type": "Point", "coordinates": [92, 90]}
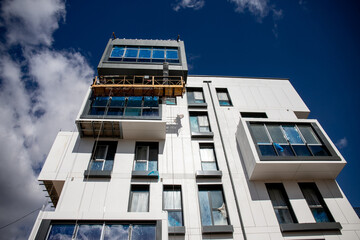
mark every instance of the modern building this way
{"type": "Point", "coordinates": [162, 155]}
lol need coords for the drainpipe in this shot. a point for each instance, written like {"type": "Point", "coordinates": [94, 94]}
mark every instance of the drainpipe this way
{"type": "Point", "coordinates": [227, 162]}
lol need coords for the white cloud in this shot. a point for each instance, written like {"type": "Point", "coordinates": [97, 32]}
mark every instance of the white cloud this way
{"type": "Point", "coordinates": [194, 4]}
{"type": "Point", "coordinates": [39, 94]}
{"type": "Point", "coordinates": [259, 8]}
{"type": "Point", "coordinates": [342, 143]}
{"type": "Point", "coordinates": [31, 22]}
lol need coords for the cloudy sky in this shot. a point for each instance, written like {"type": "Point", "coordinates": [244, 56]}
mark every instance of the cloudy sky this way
{"type": "Point", "coordinates": [49, 50]}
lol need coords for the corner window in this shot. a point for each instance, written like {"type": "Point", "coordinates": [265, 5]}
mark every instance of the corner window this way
{"type": "Point", "coordinates": [103, 156]}
{"type": "Point", "coordinates": [316, 203]}
{"type": "Point", "coordinates": [144, 54]}
{"type": "Point", "coordinates": [139, 198]}
{"type": "Point", "coordinates": [107, 230]}
{"type": "Point", "coordinates": [195, 96]}
{"type": "Point", "coordinates": [212, 206]}
{"type": "Point", "coordinates": [199, 122]}
{"type": "Point", "coordinates": [223, 97]}
{"type": "Point", "coordinates": [208, 159]}
{"type": "Point", "coordinates": [275, 139]}
{"type": "Point", "coordinates": [146, 156]}
{"type": "Point", "coordinates": [281, 204]}
{"type": "Point", "coordinates": [125, 106]}
{"type": "Point", "coordinates": [173, 205]}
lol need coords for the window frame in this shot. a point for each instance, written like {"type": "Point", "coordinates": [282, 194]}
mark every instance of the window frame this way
{"type": "Point", "coordinates": [173, 188]}
{"type": "Point", "coordinates": [190, 97]}
{"type": "Point", "coordinates": [332, 155]}
{"type": "Point", "coordinates": [323, 206]}
{"type": "Point", "coordinates": [208, 146]}
{"type": "Point", "coordinates": [223, 90]}
{"type": "Point", "coordinates": [150, 146]}
{"type": "Point", "coordinates": [139, 188]}
{"type": "Point", "coordinates": [200, 133]}
{"type": "Point", "coordinates": [171, 104]}
{"type": "Point", "coordinates": [281, 188]}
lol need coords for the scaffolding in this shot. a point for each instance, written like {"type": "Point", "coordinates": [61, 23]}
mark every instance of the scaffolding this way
{"type": "Point", "coordinates": [125, 85]}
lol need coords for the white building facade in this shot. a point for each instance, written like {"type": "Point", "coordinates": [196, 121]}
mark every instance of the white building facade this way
{"type": "Point", "coordinates": [162, 155]}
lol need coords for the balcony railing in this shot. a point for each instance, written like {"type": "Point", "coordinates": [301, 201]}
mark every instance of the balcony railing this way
{"type": "Point", "coordinates": [118, 85]}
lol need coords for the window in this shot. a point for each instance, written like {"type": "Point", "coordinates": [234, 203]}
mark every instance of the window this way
{"type": "Point", "coordinates": [170, 100]}
{"type": "Point", "coordinates": [144, 54]}
{"type": "Point", "coordinates": [274, 139]}
{"type": "Point", "coordinates": [195, 96]}
{"type": "Point", "coordinates": [139, 198]}
{"type": "Point", "coordinates": [103, 156]}
{"type": "Point", "coordinates": [146, 156]}
{"type": "Point", "coordinates": [223, 96]}
{"type": "Point", "coordinates": [125, 106]}
{"type": "Point", "coordinates": [280, 202]}
{"type": "Point", "coordinates": [173, 205]}
{"type": "Point", "coordinates": [208, 159]}
{"type": "Point", "coordinates": [199, 122]}
{"type": "Point", "coordinates": [316, 203]}
{"type": "Point", "coordinates": [212, 206]}
{"type": "Point", "coordinates": [253, 115]}
{"type": "Point", "coordinates": [107, 230]}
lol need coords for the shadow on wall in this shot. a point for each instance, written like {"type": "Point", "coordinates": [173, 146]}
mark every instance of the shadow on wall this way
{"type": "Point", "coordinates": [174, 126]}
{"type": "Point", "coordinates": [333, 188]}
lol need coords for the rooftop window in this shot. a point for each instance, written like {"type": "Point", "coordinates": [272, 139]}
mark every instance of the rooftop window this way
{"type": "Point", "coordinates": [144, 54]}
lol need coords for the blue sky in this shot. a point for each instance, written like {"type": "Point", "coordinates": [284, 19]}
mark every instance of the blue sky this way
{"type": "Point", "coordinates": [47, 45]}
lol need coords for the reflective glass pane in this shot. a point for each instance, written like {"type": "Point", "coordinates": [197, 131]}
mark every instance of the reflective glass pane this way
{"type": "Point", "coordinates": [190, 97]}
{"type": "Point", "coordinates": [150, 112]}
{"type": "Point", "coordinates": [224, 103]}
{"type": "Point", "coordinates": [220, 217]}
{"type": "Point", "coordinates": [203, 121]}
{"type": "Point", "coordinates": [140, 166]}
{"type": "Point", "coordinates": [198, 97]}
{"type": "Point", "coordinates": [131, 52]}
{"type": "Point", "coordinates": [308, 134]}
{"type": "Point", "coordinates": [208, 166]}
{"type": "Point", "coordinates": [133, 112]}
{"type": "Point", "coordinates": [170, 101]}
{"type": "Point", "coordinates": [292, 134]}
{"type": "Point", "coordinates": [320, 215]}
{"type": "Point", "coordinates": [141, 153]}
{"type": "Point", "coordinates": [117, 102]}
{"type": "Point", "coordinates": [217, 200]}
{"type": "Point", "coordinates": [89, 231]}
{"type": "Point", "coordinates": [319, 150]}
{"type": "Point", "coordinates": [115, 111]}
{"type": "Point", "coordinates": [61, 232]}
{"type": "Point", "coordinates": [207, 154]}
{"type": "Point", "coordinates": [222, 96]}
{"type": "Point", "coordinates": [259, 133]}
{"type": "Point", "coordinates": [267, 150]}
{"type": "Point", "coordinates": [151, 102]}
{"type": "Point", "coordinates": [97, 111]}
{"type": "Point", "coordinates": [96, 165]}
{"type": "Point", "coordinates": [172, 199]}
{"type": "Point", "coordinates": [152, 166]}
{"type": "Point", "coordinates": [116, 232]}
{"type": "Point", "coordinates": [158, 53]}
{"type": "Point", "coordinates": [301, 150]}
{"type": "Point", "coordinates": [140, 201]}
{"type": "Point", "coordinates": [205, 208]}
{"type": "Point", "coordinates": [145, 53]}
{"type": "Point", "coordinates": [141, 232]}
{"type": "Point", "coordinates": [276, 134]}
{"type": "Point", "coordinates": [108, 165]}
{"type": "Point", "coordinates": [172, 54]}
{"type": "Point", "coordinates": [310, 196]}
{"type": "Point", "coordinates": [100, 152]}
{"type": "Point", "coordinates": [283, 216]}
{"type": "Point", "coordinates": [117, 52]}
{"type": "Point", "coordinates": [194, 124]}
{"type": "Point", "coordinates": [134, 101]}
{"type": "Point", "coordinates": [100, 102]}
{"type": "Point", "coordinates": [277, 197]}
{"type": "Point", "coordinates": [284, 150]}
{"type": "Point", "coordinates": [204, 129]}
{"type": "Point", "coordinates": [175, 218]}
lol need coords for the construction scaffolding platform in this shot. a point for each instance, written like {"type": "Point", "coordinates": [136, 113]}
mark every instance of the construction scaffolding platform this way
{"type": "Point", "coordinates": [118, 85]}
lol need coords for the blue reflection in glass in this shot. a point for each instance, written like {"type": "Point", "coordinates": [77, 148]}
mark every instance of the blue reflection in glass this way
{"type": "Point", "coordinates": [145, 53]}
{"type": "Point", "coordinates": [301, 150]}
{"type": "Point", "coordinates": [117, 102]}
{"type": "Point", "coordinates": [224, 103]}
{"type": "Point", "coordinates": [117, 52]}
{"type": "Point", "coordinates": [150, 112]}
{"type": "Point", "coordinates": [131, 52]}
{"type": "Point", "coordinates": [133, 112]}
{"type": "Point", "coordinates": [134, 101]}
{"type": "Point", "coordinates": [320, 215]}
{"type": "Point", "coordinates": [292, 134]}
{"type": "Point", "coordinates": [151, 102]}
{"type": "Point", "coordinates": [96, 165]}
{"type": "Point", "coordinates": [172, 54]}
{"type": "Point", "coordinates": [175, 218]}
{"type": "Point", "coordinates": [140, 166]}
{"type": "Point", "coordinates": [100, 101]}
{"type": "Point", "coordinates": [61, 232]}
{"type": "Point", "coordinates": [89, 232]}
{"type": "Point", "coordinates": [108, 165]}
{"type": "Point", "coordinates": [141, 232]}
{"type": "Point", "coordinates": [152, 165]}
{"type": "Point", "coordinates": [267, 150]}
{"type": "Point", "coordinates": [116, 232]}
{"type": "Point", "coordinates": [194, 124]}
{"type": "Point", "coordinates": [158, 53]}
{"type": "Point", "coordinates": [205, 208]}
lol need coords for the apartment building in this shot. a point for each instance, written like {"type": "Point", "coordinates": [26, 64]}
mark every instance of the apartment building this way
{"type": "Point", "coordinates": [162, 155]}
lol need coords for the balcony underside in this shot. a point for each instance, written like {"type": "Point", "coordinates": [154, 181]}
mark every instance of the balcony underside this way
{"type": "Point", "coordinates": [54, 189]}
{"type": "Point", "coordinates": [116, 85]}
{"type": "Point", "coordinates": [123, 129]}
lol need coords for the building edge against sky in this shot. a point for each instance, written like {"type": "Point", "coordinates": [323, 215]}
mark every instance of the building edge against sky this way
{"type": "Point", "coordinates": [162, 155]}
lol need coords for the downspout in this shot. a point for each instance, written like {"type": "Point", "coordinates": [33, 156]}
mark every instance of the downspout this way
{"type": "Point", "coordinates": [227, 163]}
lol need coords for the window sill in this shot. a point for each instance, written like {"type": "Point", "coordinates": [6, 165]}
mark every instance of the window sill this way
{"type": "Point", "coordinates": [300, 227]}
{"type": "Point", "coordinates": [197, 105]}
{"type": "Point", "coordinates": [145, 174]}
{"type": "Point", "coordinates": [176, 230]}
{"type": "Point", "coordinates": [208, 174]}
{"type": "Point", "coordinates": [97, 174]}
{"type": "Point", "coordinates": [218, 229]}
{"type": "Point", "coordinates": [202, 134]}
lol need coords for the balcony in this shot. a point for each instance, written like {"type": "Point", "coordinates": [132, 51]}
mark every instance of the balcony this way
{"type": "Point", "coordinates": [117, 85]}
{"type": "Point", "coordinates": [278, 150]}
